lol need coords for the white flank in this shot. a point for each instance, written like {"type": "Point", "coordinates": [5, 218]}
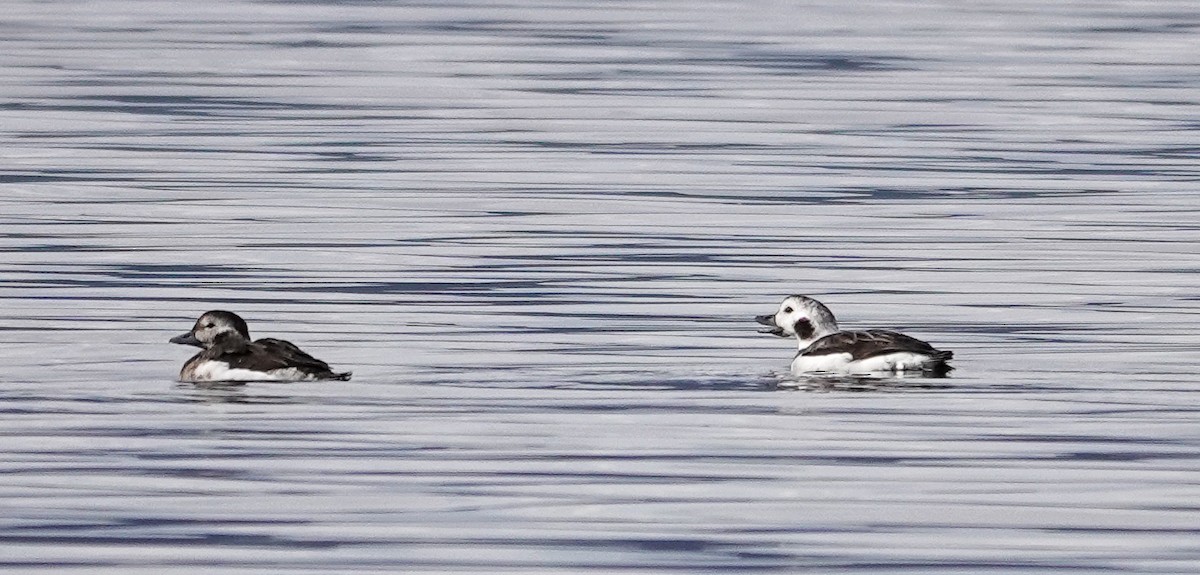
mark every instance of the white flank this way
{"type": "Point", "coordinates": [828, 363]}
{"type": "Point", "coordinates": [840, 363]}
{"type": "Point", "coordinates": [220, 371]}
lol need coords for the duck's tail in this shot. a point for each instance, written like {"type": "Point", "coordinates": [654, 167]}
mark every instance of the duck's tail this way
{"type": "Point", "coordinates": [939, 367]}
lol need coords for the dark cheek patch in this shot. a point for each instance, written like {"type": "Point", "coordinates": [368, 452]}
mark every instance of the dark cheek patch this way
{"type": "Point", "coordinates": [803, 328]}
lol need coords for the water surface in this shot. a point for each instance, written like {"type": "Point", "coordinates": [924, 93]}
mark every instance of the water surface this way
{"type": "Point", "coordinates": [538, 234]}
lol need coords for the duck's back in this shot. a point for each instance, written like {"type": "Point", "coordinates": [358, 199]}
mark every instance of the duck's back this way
{"type": "Point", "coordinates": [266, 359]}
{"type": "Point", "coordinates": [871, 351]}
{"type": "Point", "coordinates": [863, 344]}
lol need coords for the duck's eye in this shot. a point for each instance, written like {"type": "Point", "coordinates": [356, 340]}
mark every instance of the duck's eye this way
{"type": "Point", "coordinates": [208, 325]}
{"type": "Point", "coordinates": [787, 310]}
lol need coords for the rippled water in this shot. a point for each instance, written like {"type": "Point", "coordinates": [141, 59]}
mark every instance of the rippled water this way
{"type": "Point", "coordinates": [538, 234]}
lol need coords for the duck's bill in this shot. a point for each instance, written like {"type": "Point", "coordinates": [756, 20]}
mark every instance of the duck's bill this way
{"type": "Point", "coordinates": [769, 321]}
{"type": "Point", "coordinates": [186, 339]}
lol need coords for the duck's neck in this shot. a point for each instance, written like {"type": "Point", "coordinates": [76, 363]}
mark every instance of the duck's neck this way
{"type": "Point", "coordinates": [230, 341]}
{"type": "Point", "coordinates": [807, 332]}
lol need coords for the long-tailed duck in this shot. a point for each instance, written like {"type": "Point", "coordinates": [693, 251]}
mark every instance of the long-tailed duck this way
{"type": "Point", "coordinates": [229, 355]}
{"type": "Point", "coordinates": [825, 348]}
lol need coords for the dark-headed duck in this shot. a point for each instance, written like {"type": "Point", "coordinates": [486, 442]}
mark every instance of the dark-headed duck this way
{"type": "Point", "coordinates": [229, 355]}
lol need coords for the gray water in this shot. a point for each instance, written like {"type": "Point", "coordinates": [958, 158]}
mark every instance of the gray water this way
{"type": "Point", "coordinates": [538, 234]}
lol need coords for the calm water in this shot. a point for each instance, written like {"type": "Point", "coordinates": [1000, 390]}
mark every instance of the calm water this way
{"type": "Point", "coordinates": [538, 234]}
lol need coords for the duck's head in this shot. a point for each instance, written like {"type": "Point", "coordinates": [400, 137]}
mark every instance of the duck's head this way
{"type": "Point", "coordinates": [803, 317]}
{"type": "Point", "coordinates": [212, 326]}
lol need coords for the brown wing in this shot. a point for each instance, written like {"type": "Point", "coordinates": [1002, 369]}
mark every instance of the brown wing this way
{"type": "Point", "coordinates": [288, 355]}
{"type": "Point", "coordinates": [293, 356]}
{"type": "Point", "coordinates": [870, 343]}
{"type": "Point", "coordinates": [264, 355]}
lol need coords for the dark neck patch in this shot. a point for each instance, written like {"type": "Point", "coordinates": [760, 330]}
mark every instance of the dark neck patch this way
{"type": "Point", "coordinates": [804, 328]}
{"type": "Point", "coordinates": [230, 342]}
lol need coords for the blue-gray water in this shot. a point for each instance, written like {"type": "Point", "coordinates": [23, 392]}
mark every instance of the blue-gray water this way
{"type": "Point", "coordinates": [538, 233]}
